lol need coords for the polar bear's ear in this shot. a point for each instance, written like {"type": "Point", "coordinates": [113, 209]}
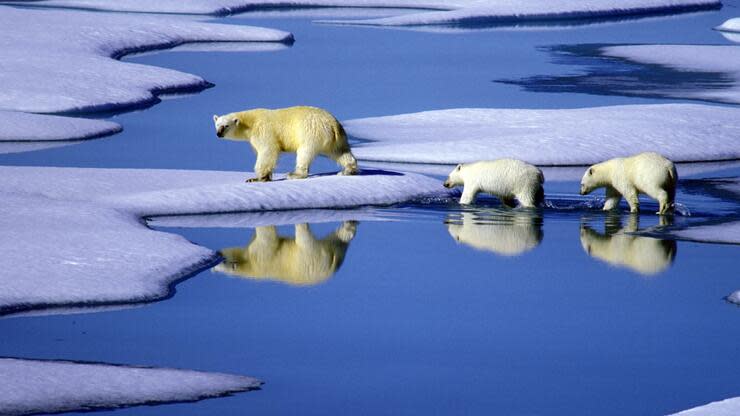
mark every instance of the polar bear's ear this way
{"type": "Point", "coordinates": [215, 117]}
{"type": "Point", "coordinates": [590, 171]}
{"type": "Point", "coordinates": [458, 167]}
{"type": "Point", "coordinates": [236, 121]}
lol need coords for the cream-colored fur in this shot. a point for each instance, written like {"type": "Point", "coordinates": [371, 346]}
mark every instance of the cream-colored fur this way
{"type": "Point", "coordinates": [645, 255]}
{"type": "Point", "coordinates": [645, 173]}
{"type": "Point", "coordinates": [306, 131]}
{"type": "Point", "coordinates": [505, 235]}
{"type": "Point", "coordinates": [301, 261]}
{"type": "Point", "coordinates": [508, 179]}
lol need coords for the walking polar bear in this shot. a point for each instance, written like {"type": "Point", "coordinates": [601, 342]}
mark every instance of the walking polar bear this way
{"type": "Point", "coordinates": [508, 179]}
{"type": "Point", "coordinates": [645, 173]}
{"type": "Point", "coordinates": [307, 131]}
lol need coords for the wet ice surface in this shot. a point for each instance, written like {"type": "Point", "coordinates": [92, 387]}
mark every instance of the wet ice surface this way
{"type": "Point", "coordinates": [36, 386]}
{"type": "Point", "coordinates": [583, 136]}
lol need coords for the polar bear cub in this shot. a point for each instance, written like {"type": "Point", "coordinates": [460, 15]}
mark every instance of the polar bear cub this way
{"type": "Point", "coordinates": [307, 131]}
{"type": "Point", "coordinates": [645, 173]}
{"type": "Point", "coordinates": [508, 179]}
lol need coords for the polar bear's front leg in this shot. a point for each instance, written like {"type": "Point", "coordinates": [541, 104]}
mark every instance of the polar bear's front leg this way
{"type": "Point", "coordinates": [468, 195]}
{"type": "Point", "coordinates": [266, 161]}
{"type": "Point", "coordinates": [304, 157]}
{"type": "Point", "coordinates": [632, 200]}
{"type": "Point", "coordinates": [612, 199]}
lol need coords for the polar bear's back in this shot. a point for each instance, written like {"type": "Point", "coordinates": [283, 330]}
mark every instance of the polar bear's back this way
{"type": "Point", "coordinates": [504, 177]}
{"type": "Point", "coordinates": [303, 122]}
{"type": "Point", "coordinates": [647, 170]}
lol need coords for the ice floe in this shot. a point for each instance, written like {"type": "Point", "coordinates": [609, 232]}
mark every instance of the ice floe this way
{"type": "Point", "coordinates": [728, 407]}
{"type": "Point", "coordinates": [682, 132]}
{"type": "Point", "coordinates": [514, 11]}
{"type": "Point", "coordinates": [24, 127]}
{"type": "Point", "coordinates": [75, 238]}
{"type": "Point", "coordinates": [734, 297]}
{"type": "Point", "coordinates": [730, 29]}
{"type": "Point", "coordinates": [40, 386]}
{"type": "Point", "coordinates": [225, 7]}
{"type": "Point", "coordinates": [63, 61]}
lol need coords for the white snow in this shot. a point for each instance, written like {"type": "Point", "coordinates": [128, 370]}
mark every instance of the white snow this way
{"type": "Point", "coordinates": [23, 127]}
{"type": "Point", "coordinates": [76, 238]}
{"type": "Point", "coordinates": [728, 407]}
{"type": "Point", "coordinates": [734, 297]}
{"type": "Point", "coordinates": [515, 11]}
{"type": "Point", "coordinates": [723, 60]}
{"type": "Point", "coordinates": [222, 7]}
{"type": "Point", "coordinates": [731, 25]}
{"type": "Point", "coordinates": [61, 61]}
{"type": "Point", "coordinates": [682, 132]}
{"type": "Point", "coordinates": [36, 386]}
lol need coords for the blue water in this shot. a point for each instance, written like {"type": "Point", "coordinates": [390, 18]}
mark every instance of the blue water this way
{"type": "Point", "coordinates": [414, 321]}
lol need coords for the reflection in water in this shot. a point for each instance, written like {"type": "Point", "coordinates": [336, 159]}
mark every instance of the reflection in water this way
{"type": "Point", "coordinates": [506, 233]}
{"type": "Point", "coordinates": [605, 75]}
{"type": "Point", "coordinates": [644, 255]}
{"type": "Point", "coordinates": [301, 261]}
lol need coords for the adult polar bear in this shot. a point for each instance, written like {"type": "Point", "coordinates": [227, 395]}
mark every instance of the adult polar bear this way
{"type": "Point", "coordinates": [307, 131]}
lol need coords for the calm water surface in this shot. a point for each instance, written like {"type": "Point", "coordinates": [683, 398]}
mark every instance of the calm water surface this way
{"type": "Point", "coordinates": [423, 308]}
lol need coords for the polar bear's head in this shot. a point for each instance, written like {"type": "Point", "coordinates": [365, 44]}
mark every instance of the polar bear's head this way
{"type": "Point", "coordinates": [589, 181]}
{"type": "Point", "coordinates": [455, 177]}
{"type": "Point", "coordinates": [226, 126]}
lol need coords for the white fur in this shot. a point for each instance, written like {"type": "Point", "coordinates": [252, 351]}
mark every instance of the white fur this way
{"type": "Point", "coordinates": [507, 179]}
{"type": "Point", "coordinates": [645, 173]}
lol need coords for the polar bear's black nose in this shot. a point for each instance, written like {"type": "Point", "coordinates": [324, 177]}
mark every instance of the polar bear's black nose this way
{"type": "Point", "coordinates": [220, 133]}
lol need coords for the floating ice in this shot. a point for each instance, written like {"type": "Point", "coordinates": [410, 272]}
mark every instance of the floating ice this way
{"type": "Point", "coordinates": [734, 297]}
{"type": "Point", "coordinates": [727, 232]}
{"type": "Point", "coordinates": [62, 61]}
{"type": "Point", "coordinates": [728, 407]}
{"type": "Point", "coordinates": [731, 25]}
{"type": "Point", "coordinates": [75, 238]}
{"type": "Point", "coordinates": [682, 132]}
{"type": "Point", "coordinates": [516, 11]}
{"type": "Point", "coordinates": [37, 386]}
{"type": "Point", "coordinates": [225, 7]}
{"type": "Point", "coordinates": [22, 127]}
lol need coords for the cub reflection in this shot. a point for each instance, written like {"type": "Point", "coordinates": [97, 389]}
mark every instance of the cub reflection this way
{"type": "Point", "coordinates": [301, 261]}
{"type": "Point", "coordinates": [644, 255]}
{"type": "Point", "coordinates": [509, 233]}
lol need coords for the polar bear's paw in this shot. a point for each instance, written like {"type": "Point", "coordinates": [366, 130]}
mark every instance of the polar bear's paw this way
{"type": "Point", "coordinates": [294, 175]}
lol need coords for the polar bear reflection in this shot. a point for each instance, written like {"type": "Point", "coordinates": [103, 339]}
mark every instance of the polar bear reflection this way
{"type": "Point", "coordinates": [301, 261]}
{"type": "Point", "coordinates": [645, 255]}
{"type": "Point", "coordinates": [509, 233]}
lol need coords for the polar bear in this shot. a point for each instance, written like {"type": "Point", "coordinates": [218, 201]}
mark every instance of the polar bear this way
{"type": "Point", "coordinates": [645, 173]}
{"type": "Point", "coordinates": [507, 179]}
{"type": "Point", "coordinates": [307, 131]}
{"type": "Point", "coordinates": [501, 233]}
{"type": "Point", "coordinates": [300, 261]}
{"type": "Point", "coordinates": [645, 255]}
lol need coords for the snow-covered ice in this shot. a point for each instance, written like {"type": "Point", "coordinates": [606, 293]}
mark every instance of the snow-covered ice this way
{"type": "Point", "coordinates": [76, 238]}
{"type": "Point", "coordinates": [682, 132]}
{"type": "Point", "coordinates": [734, 297]}
{"type": "Point", "coordinates": [516, 11]}
{"type": "Point", "coordinates": [224, 7]}
{"type": "Point", "coordinates": [731, 25]}
{"type": "Point", "coordinates": [72, 68]}
{"type": "Point", "coordinates": [24, 127]}
{"type": "Point", "coordinates": [728, 407]}
{"type": "Point", "coordinates": [41, 386]}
